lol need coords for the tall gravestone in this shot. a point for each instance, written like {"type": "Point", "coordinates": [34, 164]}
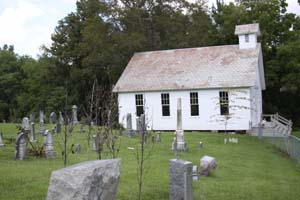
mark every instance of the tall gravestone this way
{"type": "Point", "coordinates": [60, 122]}
{"type": "Point", "coordinates": [129, 125]}
{"type": "Point", "coordinates": [74, 114]}
{"type": "Point", "coordinates": [95, 146]}
{"type": "Point", "coordinates": [21, 146]}
{"type": "Point", "coordinates": [52, 118]}
{"type": "Point", "coordinates": [181, 145]}
{"type": "Point", "coordinates": [141, 124]}
{"type": "Point", "coordinates": [180, 180]}
{"type": "Point", "coordinates": [41, 122]}
{"type": "Point", "coordinates": [48, 144]}
{"type": "Point", "coordinates": [32, 133]}
{"type": "Point", "coordinates": [1, 140]}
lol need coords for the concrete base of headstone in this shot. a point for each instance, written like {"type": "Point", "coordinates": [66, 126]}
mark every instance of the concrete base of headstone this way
{"type": "Point", "coordinates": [50, 154]}
{"type": "Point", "coordinates": [207, 164]}
{"type": "Point", "coordinates": [96, 180]}
{"type": "Point", "coordinates": [180, 180]}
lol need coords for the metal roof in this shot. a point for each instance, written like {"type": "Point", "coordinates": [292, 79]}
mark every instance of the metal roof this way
{"type": "Point", "coordinates": [191, 68]}
{"type": "Point", "coordinates": [247, 29]}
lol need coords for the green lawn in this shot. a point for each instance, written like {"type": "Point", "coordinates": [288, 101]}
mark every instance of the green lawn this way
{"type": "Point", "coordinates": [250, 169]}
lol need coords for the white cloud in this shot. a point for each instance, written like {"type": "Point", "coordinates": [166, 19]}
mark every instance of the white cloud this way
{"type": "Point", "coordinates": [28, 24]}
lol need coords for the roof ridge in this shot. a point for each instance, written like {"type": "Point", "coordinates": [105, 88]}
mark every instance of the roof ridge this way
{"type": "Point", "coordinates": [188, 48]}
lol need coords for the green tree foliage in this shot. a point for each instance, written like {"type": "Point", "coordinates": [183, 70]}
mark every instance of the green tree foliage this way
{"type": "Point", "coordinates": [96, 41]}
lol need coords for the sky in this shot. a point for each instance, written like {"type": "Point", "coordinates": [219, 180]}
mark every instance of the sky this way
{"type": "Point", "coordinates": [28, 24]}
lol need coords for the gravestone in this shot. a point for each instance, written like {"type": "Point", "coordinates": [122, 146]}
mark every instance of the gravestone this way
{"type": "Point", "coordinates": [141, 127]}
{"type": "Point", "coordinates": [21, 146]}
{"type": "Point", "coordinates": [52, 118]}
{"type": "Point", "coordinates": [78, 148]}
{"type": "Point", "coordinates": [179, 133]}
{"type": "Point", "coordinates": [31, 117]}
{"type": "Point", "coordinates": [95, 148]}
{"type": "Point", "coordinates": [25, 124]}
{"type": "Point", "coordinates": [74, 114]}
{"type": "Point", "coordinates": [195, 173]}
{"type": "Point", "coordinates": [91, 180]}
{"type": "Point", "coordinates": [180, 180]}
{"type": "Point", "coordinates": [60, 122]}
{"type": "Point", "coordinates": [200, 146]}
{"type": "Point", "coordinates": [41, 122]}
{"type": "Point", "coordinates": [32, 133]}
{"type": "Point", "coordinates": [1, 140]}
{"type": "Point", "coordinates": [48, 145]}
{"type": "Point", "coordinates": [158, 137]}
{"type": "Point", "coordinates": [129, 132]}
{"type": "Point", "coordinates": [207, 164]}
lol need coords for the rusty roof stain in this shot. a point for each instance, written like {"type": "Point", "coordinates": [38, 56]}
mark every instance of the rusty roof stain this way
{"type": "Point", "coordinates": [191, 68]}
{"type": "Point", "coordinates": [247, 29]}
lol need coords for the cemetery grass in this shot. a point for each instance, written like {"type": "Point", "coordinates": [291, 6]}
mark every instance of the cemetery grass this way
{"type": "Point", "coordinates": [251, 169]}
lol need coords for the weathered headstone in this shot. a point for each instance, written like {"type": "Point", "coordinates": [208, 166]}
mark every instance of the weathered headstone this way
{"type": "Point", "coordinates": [233, 140]}
{"type": "Point", "coordinates": [195, 173]}
{"type": "Point", "coordinates": [78, 148]}
{"type": "Point", "coordinates": [25, 124]}
{"type": "Point", "coordinates": [32, 133]}
{"type": "Point", "coordinates": [129, 132]}
{"type": "Point", "coordinates": [59, 123]}
{"type": "Point", "coordinates": [141, 127]}
{"type": "Point", "coordinates": [74, 114]}
{"type": "Point", "coordinates": [200, 146]}
{"type": "Point", "coordinates": [1, 139]}
{"type": "Point", "coordinates": [91, 180]}
{"type": "Point", "coordinates": [52, 118]}
{"type": "Point", "coordinates": [179, 133]}
{"type": "Point", "coordinates": [21, 146]}
{"type": "Point", "coordinates": [180, 180]}
{"type": "Point", "coordinates": [207, 164]}
{"type": "Point", "coordinates": [95, 148]}
{"type": "Point", "coordinates": [41, 122]}
{"type": "Point", "coordinates": [48, 144]}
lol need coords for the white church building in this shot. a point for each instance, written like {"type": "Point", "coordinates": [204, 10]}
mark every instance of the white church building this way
{"type": "Point", "coordinates": [217, 85]}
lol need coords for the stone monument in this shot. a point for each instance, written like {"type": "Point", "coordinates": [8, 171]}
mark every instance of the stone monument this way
{"type": "Point", "coordinates": [52, 118]}
{"type": "Point", "coordinates": [60, 122]}
{"type": "Point", "coordinates": [95, 180]}
{"type": "Point", "coordinates": [25, 124]}
{"type": "Point", "coordinates": [180, 180]}
{"type": "Point", "coordinates": [48, 144]}
{"type": "Point", "coordinates": [1, 138]}
{"type": "Point", "coordinates": [74, 114]}
{"type": "Point", "coordinates": [32, 133]}
{"type": "Point", "coordinates": [41, 122]}
{"type": "Point", "coordinates": [95, 146]}
{"type": "Point", "coordinates": [207, 164]}
{"type": "Point", "coordinates": [129, 132]}
{"type": "Point", "coordinates": [179, 133]}
{"type": "Point", "coordinates": [21, 146]}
